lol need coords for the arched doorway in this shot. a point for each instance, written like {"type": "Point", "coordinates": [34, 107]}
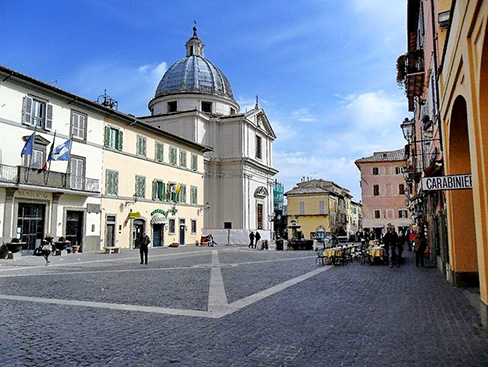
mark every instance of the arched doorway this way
{"type": "Point", "coordinates": [138, 227]}
{"type": "Point", "coordinates": [462, 234]}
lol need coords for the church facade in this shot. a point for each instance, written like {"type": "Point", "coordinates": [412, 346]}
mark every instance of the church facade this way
{"type": "Point", "coordinates": [194, 100]}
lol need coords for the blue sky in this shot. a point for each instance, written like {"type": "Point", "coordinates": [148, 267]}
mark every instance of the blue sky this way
{"type": "Point", "coordinates": [324, 70]}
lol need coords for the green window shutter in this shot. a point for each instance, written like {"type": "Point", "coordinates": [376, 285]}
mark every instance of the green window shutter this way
{"type": "Point", "coordinates": [161, 190]}
{"type": "Point", "coordinates": [116, 183]}
{"type": "Point", "coordinates": [144, 151]}
{"type": "Point", "coordinates": [194, 162]}
{"type": "Point", "coordinates": [138, 145]}
{"type": "Point", "coordinates": [154, 190]}
{"type": "Point", "coordinates": [120, 139]}
{"type": "Point", "coordinates": [107, 137]}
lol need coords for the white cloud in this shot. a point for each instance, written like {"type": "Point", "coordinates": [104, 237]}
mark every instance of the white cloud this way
{"type": "Point", "coordinates": [303, 115]}
{"type": "Point", "coordinates": [132, 87]}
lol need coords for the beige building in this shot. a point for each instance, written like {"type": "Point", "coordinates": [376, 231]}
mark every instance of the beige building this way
{"type": "Point", "coordinates": [153, 182]}
{"type": "Point", "coordinates": [318, 206]}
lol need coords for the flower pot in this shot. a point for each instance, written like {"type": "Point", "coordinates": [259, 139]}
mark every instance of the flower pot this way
{"type": "Point", "coordinates": [62, 245]}
{"type": "Point", "coordinates": [15, 247]}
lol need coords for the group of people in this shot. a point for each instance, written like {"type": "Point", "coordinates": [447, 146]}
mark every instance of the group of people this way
{"type": "Point", "coordinates": [254, 239]}
{"type": "Point", "coordinates": [394, 244]}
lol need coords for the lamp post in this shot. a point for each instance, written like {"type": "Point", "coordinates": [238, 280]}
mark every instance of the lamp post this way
{"type": "Point", "coordinates": [407, 129]}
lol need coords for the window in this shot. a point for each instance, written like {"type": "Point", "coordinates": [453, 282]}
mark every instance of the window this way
{"type": "Point", "coordinates": [302, 207]}
{"type": "Point", "coordinates": [77, 172]}
{"type": "Point", "coordinates": [159, 151]}
{"type": "Point", "coordinates": [402, 213]}
{"type": "Point", "coordinates": [37, 159]}
{"type": "Point", "coordinates": [375, 171]}
{"type": "Point", "coordinates": [113, 138]}
{"type": "Point", "coordinates": [401, 189]}
{"type": "Point", "coordinates": [171, 226]}
{"type": "Point", "coordinates": [232, 111]}
{"type": "Point", "coordinates": [321, 207]}
{"type": "Point", "coordinates": [111, 183]}
{"type": "Point", "coordinates": [172, 155]}
{"type": "Point", "coordinates": [141, 145]}
{"type": "Point", "coordinates": [78, 125]}
{"type": "Point", "coordinates": [37, 113]}
{"type": "Point", "coordinates": [182, 158]}
{"type": "Point", "coordinates": [377, 214]}
{"type": "Point", "coordinates": [171, 194]}
{"type": "Point", "coordinates": [207, 107]}
{"type": "Point", "coordinates": [172, 106]}
{"type": "Point", "coordinates": [140, 187]}
{"type": "Point", "coordinates": [376, 190]}
{"type": "Point", "coordinates": [194, 162]}
{"type": "Point", "coordinates": [182, 194]}
{"type": "Point", "coordinates": [193, 195]}
{"type": "Point", "coordinates": [159, 191]}
{"type": "Point", "coordinates": [193, 226]}
{"type": "Point", "coordinates": [398, 170]}
{"type": "Point", "coordinates": [259, 153]}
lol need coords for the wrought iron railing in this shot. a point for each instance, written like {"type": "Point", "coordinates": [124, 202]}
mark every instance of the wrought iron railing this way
{"type": "Point", "coordinates": [30, 176]}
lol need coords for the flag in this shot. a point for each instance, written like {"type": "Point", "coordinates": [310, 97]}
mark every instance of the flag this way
{"type": "Point", "coordinates": [178, 188]}
{"type": "Point", "coordinates": [49, 156]}
{"type": "Point", "coordinates": [29, 146]}
{"type": "Point", "coordinates": [61, 152]}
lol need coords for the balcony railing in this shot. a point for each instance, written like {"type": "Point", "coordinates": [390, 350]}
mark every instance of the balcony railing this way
{"type": "Point", "coordinates": [31, 176]}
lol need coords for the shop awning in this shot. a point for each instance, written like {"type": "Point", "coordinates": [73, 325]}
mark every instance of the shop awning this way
{"type": "Point", "coordinates": [159, 218]}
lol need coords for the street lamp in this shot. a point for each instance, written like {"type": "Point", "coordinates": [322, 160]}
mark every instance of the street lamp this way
{"type": "Point", "coordinates": [407, 129]}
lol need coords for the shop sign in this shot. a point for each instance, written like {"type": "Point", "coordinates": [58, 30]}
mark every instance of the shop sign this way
{"type": "Point", "coordinates": [454, 182]}
{"type": "Point", "coordinates": [134, 215]}
{"type": "Point", "coordinates": [32, 194]}
{"type": "Point", "coordinates": [158, 211]}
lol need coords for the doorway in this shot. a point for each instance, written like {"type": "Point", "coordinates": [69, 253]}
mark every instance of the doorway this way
{"type": "Point", "coordinates": [74, 227]}
{"type": "Point", "coordinates": [158, 235]}
{"type": "Point", "coordinates": [138, 227]}
{"type": "Point", "coordinates": [110, 231]}
{"type": "Point", "coordinates": [30, 223]}
{"type": "Point", "coordinates": [182, 231]}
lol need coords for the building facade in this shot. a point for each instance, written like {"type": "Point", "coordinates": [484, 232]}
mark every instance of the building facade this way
{"type": "Point", "coordinates": [194, 100]}
{"type": "Point", "coordinates": [383, 191]}
{"type": "Point", "coordinates": [64, 198]}
{"type": "Point", "coordinates": [152, 182]}
{"type": "Point", "coordinates": [318, 206]}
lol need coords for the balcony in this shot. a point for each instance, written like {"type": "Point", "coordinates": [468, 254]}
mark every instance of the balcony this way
{"type": "Point", "coordinates": [19, 175]}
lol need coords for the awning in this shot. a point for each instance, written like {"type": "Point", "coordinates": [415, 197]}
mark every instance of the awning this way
{"type": "Point", "coordinates": [159, 218]}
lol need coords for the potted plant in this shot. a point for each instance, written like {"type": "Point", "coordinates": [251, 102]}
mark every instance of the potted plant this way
{"type": "Point", "coordinates": [15, 245]}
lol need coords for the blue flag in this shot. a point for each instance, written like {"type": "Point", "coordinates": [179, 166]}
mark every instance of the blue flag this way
{"type": "Point", "coordinates": [29, 145]}
{"type": "Point", "coordinates": [61, 152]}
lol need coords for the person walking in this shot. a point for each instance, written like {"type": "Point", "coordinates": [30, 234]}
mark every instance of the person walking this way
{"type": "Point", "coordinates": [391, 242]}
{"type": "Point", "coordinates": [257, 237]}
{"type": "Point", "coordinates": [251, 239]}
{"type": "Point", "coordinates": [420, 243]}
{"type": "Point", "coordinates": [47, 247]}
{"type": "Point", "coordinates": [144, 249]}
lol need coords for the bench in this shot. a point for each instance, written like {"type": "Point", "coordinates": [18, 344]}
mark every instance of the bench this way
{"type": "Point", "coordinates": [112, 250]}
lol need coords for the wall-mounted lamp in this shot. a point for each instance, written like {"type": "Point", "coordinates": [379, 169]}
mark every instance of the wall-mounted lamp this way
{"type": "Point", "coordinates": [444, 18]}
{"type": "Point", "coordinates": [407, 128]}
{"type": "Point", "coordinates": [134, 197]}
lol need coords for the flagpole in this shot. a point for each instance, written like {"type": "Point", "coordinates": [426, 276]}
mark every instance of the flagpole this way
{"type": "Point", "coordinates": [31, 155]}
{"type": "Point", "coordinates": [49, 158]}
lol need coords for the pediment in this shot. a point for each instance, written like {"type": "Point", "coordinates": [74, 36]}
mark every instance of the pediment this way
{"type": "Point", "coordinates": [261, 192]}
{"type": "Point", "coordinates": [258, 118]}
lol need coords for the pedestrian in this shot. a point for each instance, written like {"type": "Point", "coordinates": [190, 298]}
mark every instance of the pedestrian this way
{"type": "Point", "coordinates": [47, 247]}
{"type": "Point", "coordinates": [391, 242]}
{"type": "Point", "coordinates": [401, 241]}
{"type": "Point", "coordinates": [210, 241]}
{"type": "Point", "coordinates": [251, 239]}
{"type": "Point", "coordinates": [420, 243]}
{"type": "Point", "coordinates": [257, 238]}
{"type": "Point", "coordinates": [144, 248]}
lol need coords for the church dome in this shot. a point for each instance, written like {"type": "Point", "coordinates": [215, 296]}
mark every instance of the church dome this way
{"type": "Point", "coordinates": [194, 74]}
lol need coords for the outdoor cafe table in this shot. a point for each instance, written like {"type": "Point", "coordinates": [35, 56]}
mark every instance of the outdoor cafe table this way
{"type": "Point", "coordinates": [334, 251]}
{"type": "Point", "coordinates": [376, 251]}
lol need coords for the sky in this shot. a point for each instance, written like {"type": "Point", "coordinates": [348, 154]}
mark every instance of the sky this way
{"type": "Point", "coordinates": [324, 70]}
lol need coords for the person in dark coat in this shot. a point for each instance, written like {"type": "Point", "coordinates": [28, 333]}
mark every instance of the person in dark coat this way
{"type": "Point", "coordinates": [420, 244]}
{"type": "Point", "coordinates": [251, 239]}
{"type": "Point", "coordinates": [257, 237]}
{"type": "Point", "coordinates": [391, 242]}
{"type": "Point", "coordinates": [47, 247]}
{"type": "Point", "coordinates": [144, 249]}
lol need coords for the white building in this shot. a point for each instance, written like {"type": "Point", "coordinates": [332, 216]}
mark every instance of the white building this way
{"type": "Point", "coordinates": [194, 100]}
{"type": "Point", "coordinates": [65, 200]}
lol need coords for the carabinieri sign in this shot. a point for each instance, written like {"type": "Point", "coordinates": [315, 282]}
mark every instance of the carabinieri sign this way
{"type": "Point", "coordinates": [454, 182]}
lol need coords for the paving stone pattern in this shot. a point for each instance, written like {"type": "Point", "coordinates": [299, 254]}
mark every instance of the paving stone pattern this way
{"type": "Point", "coordinates": [351, 315]}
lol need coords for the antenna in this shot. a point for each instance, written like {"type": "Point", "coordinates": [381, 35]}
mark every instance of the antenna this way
{"type": "Point", "coordinates": [108, 101]}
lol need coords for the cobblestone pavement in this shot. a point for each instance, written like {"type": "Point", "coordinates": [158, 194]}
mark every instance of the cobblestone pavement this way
{"type": "Point", "coordinates": [231, 306]}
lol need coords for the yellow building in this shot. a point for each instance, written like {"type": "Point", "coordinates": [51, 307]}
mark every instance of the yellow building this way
{"type": "Point", "coordinates": [316, 206]}
{"type": "Point", "coordinates": [464, 114]}
{"type": "Point", "coordinates": [153, 182]}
